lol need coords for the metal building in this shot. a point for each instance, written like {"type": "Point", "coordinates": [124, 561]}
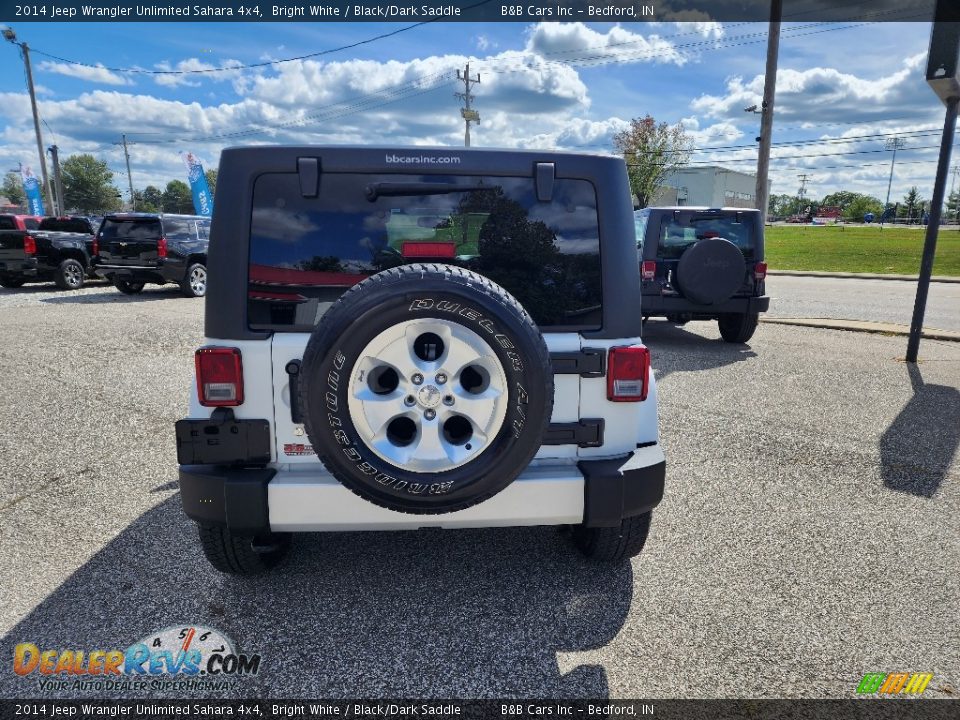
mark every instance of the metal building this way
{"type": "Point", "coordinates": [709, 186]}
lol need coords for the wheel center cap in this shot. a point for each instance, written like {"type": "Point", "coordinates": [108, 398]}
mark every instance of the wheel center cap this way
{"type": "Point", "coordinates": [429, 396]}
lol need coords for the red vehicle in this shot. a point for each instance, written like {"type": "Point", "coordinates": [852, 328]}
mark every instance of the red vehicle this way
{"type": "Point", "coordinates": [19, 222]}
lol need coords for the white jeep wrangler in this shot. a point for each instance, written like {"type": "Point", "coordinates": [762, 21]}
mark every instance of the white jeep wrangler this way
{"type": "Point", "coordinates": [399, 339]}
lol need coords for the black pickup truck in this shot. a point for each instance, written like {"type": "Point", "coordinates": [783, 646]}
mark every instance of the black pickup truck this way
{"type": "Point", "coordinates": [59, 250]}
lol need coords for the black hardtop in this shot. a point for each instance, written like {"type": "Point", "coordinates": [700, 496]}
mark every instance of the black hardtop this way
{"type": "Point", "coordinates": [227, 259]}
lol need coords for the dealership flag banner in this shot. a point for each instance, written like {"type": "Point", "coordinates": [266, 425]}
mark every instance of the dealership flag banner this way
{"type": "Point", "coordinates": [31, 186]}
{"type": "Point", "coordinates": [202, 202]}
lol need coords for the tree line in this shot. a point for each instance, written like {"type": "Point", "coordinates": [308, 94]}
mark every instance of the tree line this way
{"type": "Point", "coordinates": [854, 206]}
{"type": "Point", "coordinates": [88, 189]}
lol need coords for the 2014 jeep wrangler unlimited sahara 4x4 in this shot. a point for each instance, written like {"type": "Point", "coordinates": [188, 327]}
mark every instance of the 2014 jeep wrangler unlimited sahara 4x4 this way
{"type": "Point", "coordinates": [398, 339]}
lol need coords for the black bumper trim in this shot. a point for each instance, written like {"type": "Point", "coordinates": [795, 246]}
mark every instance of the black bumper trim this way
{"type": "Point", "coordinates": [620, 488]}
{"type": "Point", "coordinates": [234, 498]}
{"type": "Point", "coordinates": [655, 304]}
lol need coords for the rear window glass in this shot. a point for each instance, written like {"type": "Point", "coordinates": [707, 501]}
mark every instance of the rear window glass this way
{"type": "Point", "coordinates": [132, 229]}
{"type": "Point", "coordinates": [66, 225]}
{"type": "Point", "coordinates": [7, 223]}
{"type": "Point", "coordinates": [679, 231]}
{"type": "Point", "coordinates": [305, 252]}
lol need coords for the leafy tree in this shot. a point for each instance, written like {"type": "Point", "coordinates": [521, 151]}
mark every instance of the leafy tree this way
{"type": "Point", "coordinates": [88, 185]}
{"type": "Point", "coordinates": [177, 198]}
{"type": "Point", "coordinates": [153, 197]}
{"type": "Point", "coordinates": [855, 205]}
{"type": "Point", "coordinates": [912, 204]}
{"type": "Point", "coordinates": [211, 176]}
{"type": "Point", "coordinates": [953, 206]}
{"type": "Point", "coordinates": [150, 199]}
{"type": "Point", "coordinates": [12, 189]}
{"type": "Point", "coordinates": [652, 151]}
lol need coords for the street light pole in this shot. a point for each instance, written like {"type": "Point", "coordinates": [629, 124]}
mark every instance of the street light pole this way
{"type": "Point", "coordinates": [11, 36]}
{"type": "Point", "coordinates": [894, 143]}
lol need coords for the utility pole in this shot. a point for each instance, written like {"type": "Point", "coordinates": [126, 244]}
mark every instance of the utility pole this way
{"type": "Point", "coordinates": [469, 115]}
{"type": "Point", "coordinates": [894, 143]}
{"type": "Point", "coordinates": [11, 36]}
{"type": "Point", "coordinates": [58, 180]}
{"type": "Point", "coordinates": [133, 199]}
{"type": "Point", "coordinates": [766, 111]}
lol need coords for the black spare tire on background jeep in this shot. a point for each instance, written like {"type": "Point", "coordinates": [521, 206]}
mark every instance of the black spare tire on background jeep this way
{"type": "Point", "coordinates": [710, 271]}
{"type": "Point", "coordinates": [426, 389]}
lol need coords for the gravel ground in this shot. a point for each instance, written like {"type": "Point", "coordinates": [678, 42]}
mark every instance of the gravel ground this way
{"type": "Point", "coordinates": [809, 533]}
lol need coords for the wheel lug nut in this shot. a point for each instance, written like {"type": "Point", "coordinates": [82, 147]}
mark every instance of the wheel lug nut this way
{"type": "Point", "coordinates": [430, 414]}
{"type": "Point", "coordinates": [417, 378]}
{"type": "Point", "coordinates": [441, 378]}
{"type": "Point", "coordinates": [409, 400]}
{"type": "Point", "coordinates": [448, 399]}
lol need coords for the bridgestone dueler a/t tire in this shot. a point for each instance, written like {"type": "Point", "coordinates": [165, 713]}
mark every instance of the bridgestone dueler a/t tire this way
{"type": "Point", "coordinates": [242, 554]}
{"type": "Point", "coordinates": [429, 292]}
{"type": "Point", "coordinates": [613, 544]}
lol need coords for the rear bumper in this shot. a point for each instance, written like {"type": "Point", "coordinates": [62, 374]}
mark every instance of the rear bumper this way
{"type": "Point", "coordinates": [25, 268]}
{"type": "Point", "coordinates": [596, 493]}
{"type": "Point", "coordinates": [656, 304]}
{"type": "Point", "coordinates": [133, 273]}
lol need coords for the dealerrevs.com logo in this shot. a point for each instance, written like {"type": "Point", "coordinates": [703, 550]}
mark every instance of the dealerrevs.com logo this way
{"type": "Point", "coordinates": [175, 658]}
{"type": "Point", "coordinates": [392, 159]}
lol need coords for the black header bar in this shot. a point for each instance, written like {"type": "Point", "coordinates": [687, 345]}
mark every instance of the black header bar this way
{"type": "Point", "coordinates": [413, 11]}
{"type": "Point", "coordinates": [510, 709]}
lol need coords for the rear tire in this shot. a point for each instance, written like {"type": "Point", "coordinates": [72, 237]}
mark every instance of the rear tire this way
{"type": "Point", "coordinates": [127, 287]}
{"type": "Point", "coordinates": [69, 275]}
{"type": "Point", "coordinates": [613, 544]}
{"type": "Point", "coordinates": [738, 328]}
{"type": "Point", "coordinates": [11, 283]}
{"type": "Point", "coordinates": [194, 283]}
{"type": "Point", "coordinates": [242, 554]}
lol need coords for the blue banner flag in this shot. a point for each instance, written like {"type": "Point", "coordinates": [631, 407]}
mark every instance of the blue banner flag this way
{"type": "Point", "coordinates": [202, 200]}
{"type": "Point", "coordinates": [31, 187]}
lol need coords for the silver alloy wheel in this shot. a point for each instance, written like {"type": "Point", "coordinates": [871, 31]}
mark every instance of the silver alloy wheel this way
{"type": "Point", "coordinates": [198, 280]}
{"type": "Point", "coordinates": [73, 274]}
{"type": "Point", "coordinates": [449, 423]}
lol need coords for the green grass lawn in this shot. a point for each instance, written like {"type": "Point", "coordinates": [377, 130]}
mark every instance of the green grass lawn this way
{"type": "Point", "coordinates": [893, 250]}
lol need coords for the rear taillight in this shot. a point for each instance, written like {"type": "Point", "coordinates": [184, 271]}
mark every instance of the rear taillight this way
{"type": "Point", "coordinates": [29, 245]}
{"type": "Point", "coordinates": [162, 248]}
{"type": "Point", "coordinates": [760, 271]}
{"type": "Point", "coordinates": [219, 377]}
{"type": "Point", "coordinates": [428, 249]}
{"type": "Point", "coordinates": [96, 246]}
{"type": "Point", "coordinates": [628, 372]}
{"type": "Point", "coordinates": [648, 270]}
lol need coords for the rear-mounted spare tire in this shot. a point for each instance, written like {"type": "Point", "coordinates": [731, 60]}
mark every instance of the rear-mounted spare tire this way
{"type": "Point", "coordinates": [710, 271]}
{"type": "Point", "coordinates": [426, 389]}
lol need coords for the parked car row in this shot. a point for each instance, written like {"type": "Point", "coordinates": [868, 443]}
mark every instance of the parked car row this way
{"type": "Point", "coordinates": [130, 250]}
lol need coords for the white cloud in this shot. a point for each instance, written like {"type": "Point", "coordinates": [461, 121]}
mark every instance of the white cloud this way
{"type": "Point", "coordinates": [97, 74]}
{"type": "Point", "coordinates": [191, 77]}
{"type": "Point", "coordinates": [484, 43]}
{"type": "Point", "coordinates": [821, 94]}
{"type": "Point", "coordinates": [575, 42]}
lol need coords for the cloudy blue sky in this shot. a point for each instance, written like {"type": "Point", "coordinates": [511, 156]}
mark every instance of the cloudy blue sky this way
{"type": "Point", "coordinates": [548, 85]}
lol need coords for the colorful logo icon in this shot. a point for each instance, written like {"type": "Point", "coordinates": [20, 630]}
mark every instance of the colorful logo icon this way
{"type": "Point", "coordinates": [894, 683]}
{"type": "Point", "coordinates": [191, 651]}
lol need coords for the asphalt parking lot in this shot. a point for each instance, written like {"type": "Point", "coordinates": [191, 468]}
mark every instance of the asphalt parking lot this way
{"type": "Point", "coordinates": [810, 532]}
